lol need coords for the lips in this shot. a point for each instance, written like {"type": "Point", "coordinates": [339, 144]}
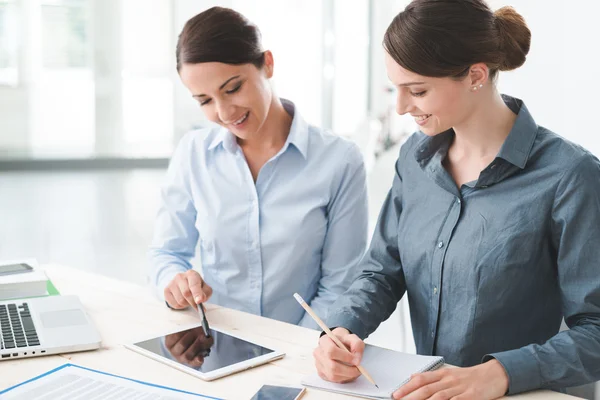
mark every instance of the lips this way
{"type": "Point", "coordinates": [242, 119]}
{"type": "Point", "coordinates": [422, 119]}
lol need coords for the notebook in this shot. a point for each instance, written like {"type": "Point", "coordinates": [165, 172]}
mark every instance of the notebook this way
{"type": "Point", "coordinates": [389, 369]}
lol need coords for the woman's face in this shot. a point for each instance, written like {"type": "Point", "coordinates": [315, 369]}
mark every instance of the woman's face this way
{"type": "Point", "coordinates": [436, 104]}
{"type": "Point", "coordinates": [237, 97]}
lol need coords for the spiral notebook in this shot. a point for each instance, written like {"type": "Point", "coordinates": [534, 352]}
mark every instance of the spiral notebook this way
{"type": "Point", "coordinates": [390, 369]}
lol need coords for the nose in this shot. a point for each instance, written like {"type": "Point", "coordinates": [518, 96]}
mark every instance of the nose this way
{"type": "Point", "coordinates": [225, 111]}
{"type": "Point", "coordinates": [403, 104]}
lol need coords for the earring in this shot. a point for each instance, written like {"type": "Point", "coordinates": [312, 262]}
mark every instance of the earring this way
{"type": "Point", "coordinates": [474, 88]}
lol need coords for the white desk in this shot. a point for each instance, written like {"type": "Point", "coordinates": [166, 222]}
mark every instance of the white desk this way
{"type": "Point", "coordinates": [124, 312]}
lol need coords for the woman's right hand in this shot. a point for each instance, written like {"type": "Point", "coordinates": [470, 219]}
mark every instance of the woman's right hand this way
{"type": "Point", "coordinates": [334, 364]}
{"type": "Point", "coordinates": [187, 289]}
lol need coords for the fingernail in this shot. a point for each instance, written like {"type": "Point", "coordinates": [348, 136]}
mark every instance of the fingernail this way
{"type": "Point", "coordinates": [197, 299]}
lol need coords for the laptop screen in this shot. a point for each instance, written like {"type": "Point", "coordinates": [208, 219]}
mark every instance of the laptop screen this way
{"type": "Point", "coordinates": [194, 349]}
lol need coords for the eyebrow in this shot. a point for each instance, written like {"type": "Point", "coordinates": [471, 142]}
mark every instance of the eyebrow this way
{"type": "Point", "coordinates": [411, 83]}
{"type": "Point", "coordinates": [220, 87]}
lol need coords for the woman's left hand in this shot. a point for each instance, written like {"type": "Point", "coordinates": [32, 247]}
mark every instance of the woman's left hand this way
{"type": "Point", "coordinates": [483, 382]}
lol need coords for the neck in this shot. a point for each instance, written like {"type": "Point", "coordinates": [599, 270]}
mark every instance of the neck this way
{"type": "Point", "coordinates": [483, 133]}
{"type": "Point", "coordinates": [274, 131]}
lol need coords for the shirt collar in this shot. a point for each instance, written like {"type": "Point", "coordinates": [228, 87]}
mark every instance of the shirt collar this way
{"type": "Point", "coordinates": [298, 135]}
{"type": "Point", "coordinates": [516, 148]}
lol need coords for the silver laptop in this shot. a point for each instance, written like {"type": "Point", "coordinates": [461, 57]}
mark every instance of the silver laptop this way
{"type": "Point", "coordinates": [45, 325]}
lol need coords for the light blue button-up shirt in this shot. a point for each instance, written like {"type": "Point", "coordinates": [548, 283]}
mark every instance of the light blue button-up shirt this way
{"type": "Point", "coordinates": [302, 227]}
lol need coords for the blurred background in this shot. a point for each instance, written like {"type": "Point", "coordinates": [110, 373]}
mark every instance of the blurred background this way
{"type": "Point", "coordinates": [91, 108]}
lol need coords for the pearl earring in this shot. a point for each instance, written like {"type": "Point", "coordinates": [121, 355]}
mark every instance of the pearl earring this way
{"type": "Point", "coordinates": [475, 87]}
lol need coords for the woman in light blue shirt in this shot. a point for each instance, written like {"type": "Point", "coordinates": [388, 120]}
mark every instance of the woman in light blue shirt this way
{"type": "Point", "coordinates": [278, 206]}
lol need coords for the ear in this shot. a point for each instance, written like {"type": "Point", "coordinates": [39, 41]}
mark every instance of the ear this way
{"type": "Point", "coordinates": [268, 67]}
{"type": "Point", "coordinates": [478, 76]}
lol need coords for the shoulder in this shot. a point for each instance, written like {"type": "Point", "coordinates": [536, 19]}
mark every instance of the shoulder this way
{"type": "Point", "coordinates": [324, 143]}
{"type": "Point", "coordinates": [568, 158]}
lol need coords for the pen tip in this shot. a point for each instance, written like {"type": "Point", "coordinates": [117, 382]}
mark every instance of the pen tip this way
{"type": "Point", "coordinates": [377, 386]}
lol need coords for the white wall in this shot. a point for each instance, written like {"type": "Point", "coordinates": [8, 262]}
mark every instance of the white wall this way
{"type": "Point", "coordinates": [559, 81]}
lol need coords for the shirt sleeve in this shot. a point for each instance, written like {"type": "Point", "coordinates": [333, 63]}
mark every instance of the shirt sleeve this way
{"type": "Point", "coordinates": [572, 357]}
{"type": "Point", "coordinates": [374, 294]}
{"type": "Point", "coordinates": [175, 234]}
{"type": "Point", "coordinates": [346, 237]}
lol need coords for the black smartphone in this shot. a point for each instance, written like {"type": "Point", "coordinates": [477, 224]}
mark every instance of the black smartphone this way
{"type": "Point", "coordinates": [10, 269]}
{"type": "Point", "coordinates": [270, 392]}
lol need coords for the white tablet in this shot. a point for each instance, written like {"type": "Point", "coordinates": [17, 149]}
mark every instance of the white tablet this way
{"type": "Point", "coordinates": [207, 357]}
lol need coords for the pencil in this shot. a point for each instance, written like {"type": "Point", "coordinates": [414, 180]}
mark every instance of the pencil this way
{"type": "Point", "coordinates": [330, 334]}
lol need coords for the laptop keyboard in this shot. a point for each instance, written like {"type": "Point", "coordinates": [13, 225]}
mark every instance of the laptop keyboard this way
{"type": "Point", "coordinates": [16, 327]}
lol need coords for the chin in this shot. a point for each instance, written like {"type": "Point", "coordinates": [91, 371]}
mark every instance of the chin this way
{"type": "Point", "coordinates": [433, 130]}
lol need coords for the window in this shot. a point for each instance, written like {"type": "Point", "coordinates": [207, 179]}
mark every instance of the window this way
{"type": "Point", "coordinates": [8, 43]}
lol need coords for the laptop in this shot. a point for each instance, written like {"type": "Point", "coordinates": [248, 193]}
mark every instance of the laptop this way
{"type": "Point", "coordinates": [45, 325]}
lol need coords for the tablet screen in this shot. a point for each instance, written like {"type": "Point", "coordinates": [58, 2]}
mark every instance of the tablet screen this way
{"type": "Point", "coordinates": [194, 349]}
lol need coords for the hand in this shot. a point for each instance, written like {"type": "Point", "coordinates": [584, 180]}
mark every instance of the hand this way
{"type": "Point", "coordinates": [486, 382]}
{"type": "Point", "coordinates": [337, 365]}
{"type": "Point", "coordinates": [187, 289]}
{"type": "Point", "coordinates": [189, 347]}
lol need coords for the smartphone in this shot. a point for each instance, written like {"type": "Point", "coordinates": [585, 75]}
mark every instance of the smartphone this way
{"type": "Point", "coordinates": [270, 392]}
{"type": "Point", "coordinates": [10, 269]}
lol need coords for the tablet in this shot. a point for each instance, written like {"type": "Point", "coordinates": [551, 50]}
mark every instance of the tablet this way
{"type": "Point", "coordinates": [207, 357]}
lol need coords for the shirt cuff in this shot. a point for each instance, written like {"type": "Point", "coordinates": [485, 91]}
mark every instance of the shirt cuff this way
{"type": "Point", "coordinates": [522, 369]}
{"type": "Point", "coordinates": [165, 278]}
{"type": "Point", "coordinates": [349, 321]}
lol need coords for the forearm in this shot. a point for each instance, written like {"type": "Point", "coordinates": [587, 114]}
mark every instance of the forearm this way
{"type": "Point", "coordinates": [570, 358]}
{"type": "Point", "coordinates": [369, 301]}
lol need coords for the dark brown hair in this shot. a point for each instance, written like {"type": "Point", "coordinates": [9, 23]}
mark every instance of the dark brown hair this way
{"type": "Point", "coordinates": [219, 35]}
{"type": "Point", "coordinates": [443, 38]}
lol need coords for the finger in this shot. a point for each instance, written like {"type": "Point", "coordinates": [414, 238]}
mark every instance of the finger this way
{"type": "Point", "coordinates": [171, 339]}
{"type": "Point", "coordinates": [178, 297]}
{"type": "Point", "coordinates": [438, 389]}
{"type": "Point", "coordinates": [356, 346]}
{"type": "Point", "coordinates": [337, 371]}
{"type": "Point", "coordinates": [196, 362]}
{"type": "Point", "coordinates": [184, 288]}
{"type": "Point", "coordinates": [417, 381]}
{"type": "Point", "coordinates": [447, 394]}
{"type": "Point", "coordinates": [183, 344]}
{"type": "Point", "coordinates": [333, 352]}
{"type": "Point", "coordinates": [170, 299]}
{"type": "Point", "coordinates": [197, 287]}
{"type": "Point", "coordinates": [328, 371]}
{"type": "Point", "coordinates": [199, 346]}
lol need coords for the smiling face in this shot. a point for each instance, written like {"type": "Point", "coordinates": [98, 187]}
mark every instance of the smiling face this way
{"type": "Point", "coordinates": [237, 97]}
{"type": "Point", "coordinates": [436, 104]}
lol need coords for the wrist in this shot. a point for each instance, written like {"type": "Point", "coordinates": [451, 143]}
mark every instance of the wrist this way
{"type": "Point", "coordinates": [497, 376]}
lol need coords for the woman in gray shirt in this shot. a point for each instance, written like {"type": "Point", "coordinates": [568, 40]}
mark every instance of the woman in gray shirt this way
{"type": "Point", "coordinates": [492, 225]}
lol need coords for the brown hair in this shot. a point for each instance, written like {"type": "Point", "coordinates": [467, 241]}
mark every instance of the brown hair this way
{"type": "Point", "coordinates": [443, 38]}
{"type": "Point", "coordinates": [219, 35]}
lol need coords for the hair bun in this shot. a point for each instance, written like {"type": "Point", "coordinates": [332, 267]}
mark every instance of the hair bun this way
{"type": "Point", "coordinates": [515, 37]}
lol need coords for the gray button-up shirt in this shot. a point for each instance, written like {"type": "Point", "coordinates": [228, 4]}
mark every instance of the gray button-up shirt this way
{"type": "Point", "coordinates": [492, 267]}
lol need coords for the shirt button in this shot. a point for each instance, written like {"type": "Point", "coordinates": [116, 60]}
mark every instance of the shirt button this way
{"type": "Point", "coordinates": [440, 245]}
{"type": "Point", "coordinates": [432, 334]}
{"type": "Point", "coordinates": [458, 201]}
{"type": "Point", "coordinates": [435, 290]}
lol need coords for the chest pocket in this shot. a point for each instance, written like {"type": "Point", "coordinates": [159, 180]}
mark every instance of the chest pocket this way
{"type": "Point", "coordinates": [208, 250]}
